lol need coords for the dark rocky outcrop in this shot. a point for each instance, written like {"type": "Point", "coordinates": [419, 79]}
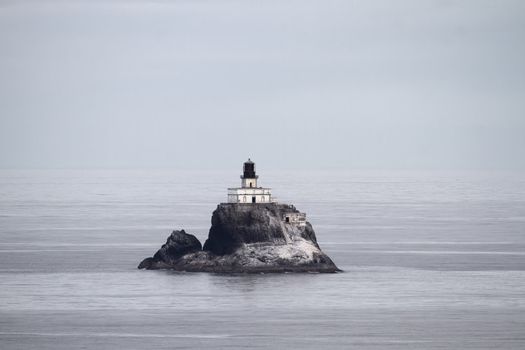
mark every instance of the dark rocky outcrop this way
{"type": "Point", "coordinates": [246, 238]}
{"type": "Point", "coordinates": [232, 225]}
{"type": "Point", "coordinates": [179, 243]}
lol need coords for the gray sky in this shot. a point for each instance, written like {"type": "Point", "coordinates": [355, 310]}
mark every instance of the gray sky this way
{"type": "Point", "coordinates": [292, 84]}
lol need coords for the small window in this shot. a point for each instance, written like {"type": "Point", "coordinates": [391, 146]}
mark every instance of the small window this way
{"type": "Point", "coordinates": [287, 219]}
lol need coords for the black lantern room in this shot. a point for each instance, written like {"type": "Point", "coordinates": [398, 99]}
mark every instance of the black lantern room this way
{"type": "Point", "coordinates": [249, 170]}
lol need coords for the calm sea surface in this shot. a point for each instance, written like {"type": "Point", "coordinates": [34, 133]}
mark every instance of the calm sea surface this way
{"type": "Point", "coordinates": [431, 261]}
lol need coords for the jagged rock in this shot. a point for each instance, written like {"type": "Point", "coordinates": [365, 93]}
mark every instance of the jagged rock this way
{"type": "Point", "coordinates": [178, 244]}
{"type": "Point", "coordinates": [246, 238]}
{"type": "Point", "coordinates": [236, 224]}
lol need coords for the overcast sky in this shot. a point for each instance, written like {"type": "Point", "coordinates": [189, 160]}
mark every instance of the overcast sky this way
{"type": "Point", "coordinates": [292, 84]}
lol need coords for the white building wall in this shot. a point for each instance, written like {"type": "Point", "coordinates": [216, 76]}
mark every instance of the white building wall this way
{"type": "Point", "coordinates": [245, 195]}
{"type": "Point", "coordinates": [251, 183]}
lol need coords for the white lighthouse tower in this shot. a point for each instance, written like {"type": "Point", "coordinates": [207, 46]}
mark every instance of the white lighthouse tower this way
{"type": "Point", "coordinates": [249, 192]}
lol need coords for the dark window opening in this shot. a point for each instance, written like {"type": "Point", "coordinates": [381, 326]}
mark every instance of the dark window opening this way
{"type": "Point", "coordinates": [253, 199]}
{"type": "Point", "coordinates": [287, 219]}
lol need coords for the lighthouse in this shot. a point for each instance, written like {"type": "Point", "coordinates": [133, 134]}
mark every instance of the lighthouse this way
{"type": "Point", "coordinates": [249, 193]}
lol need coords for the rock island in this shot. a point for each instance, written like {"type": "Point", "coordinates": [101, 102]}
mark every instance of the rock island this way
{"type": "Point", "coordinates": [251, 233]}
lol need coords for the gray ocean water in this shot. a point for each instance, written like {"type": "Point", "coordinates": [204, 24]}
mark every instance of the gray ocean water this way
{"type": "Point", "coordinates": [431, 261]}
